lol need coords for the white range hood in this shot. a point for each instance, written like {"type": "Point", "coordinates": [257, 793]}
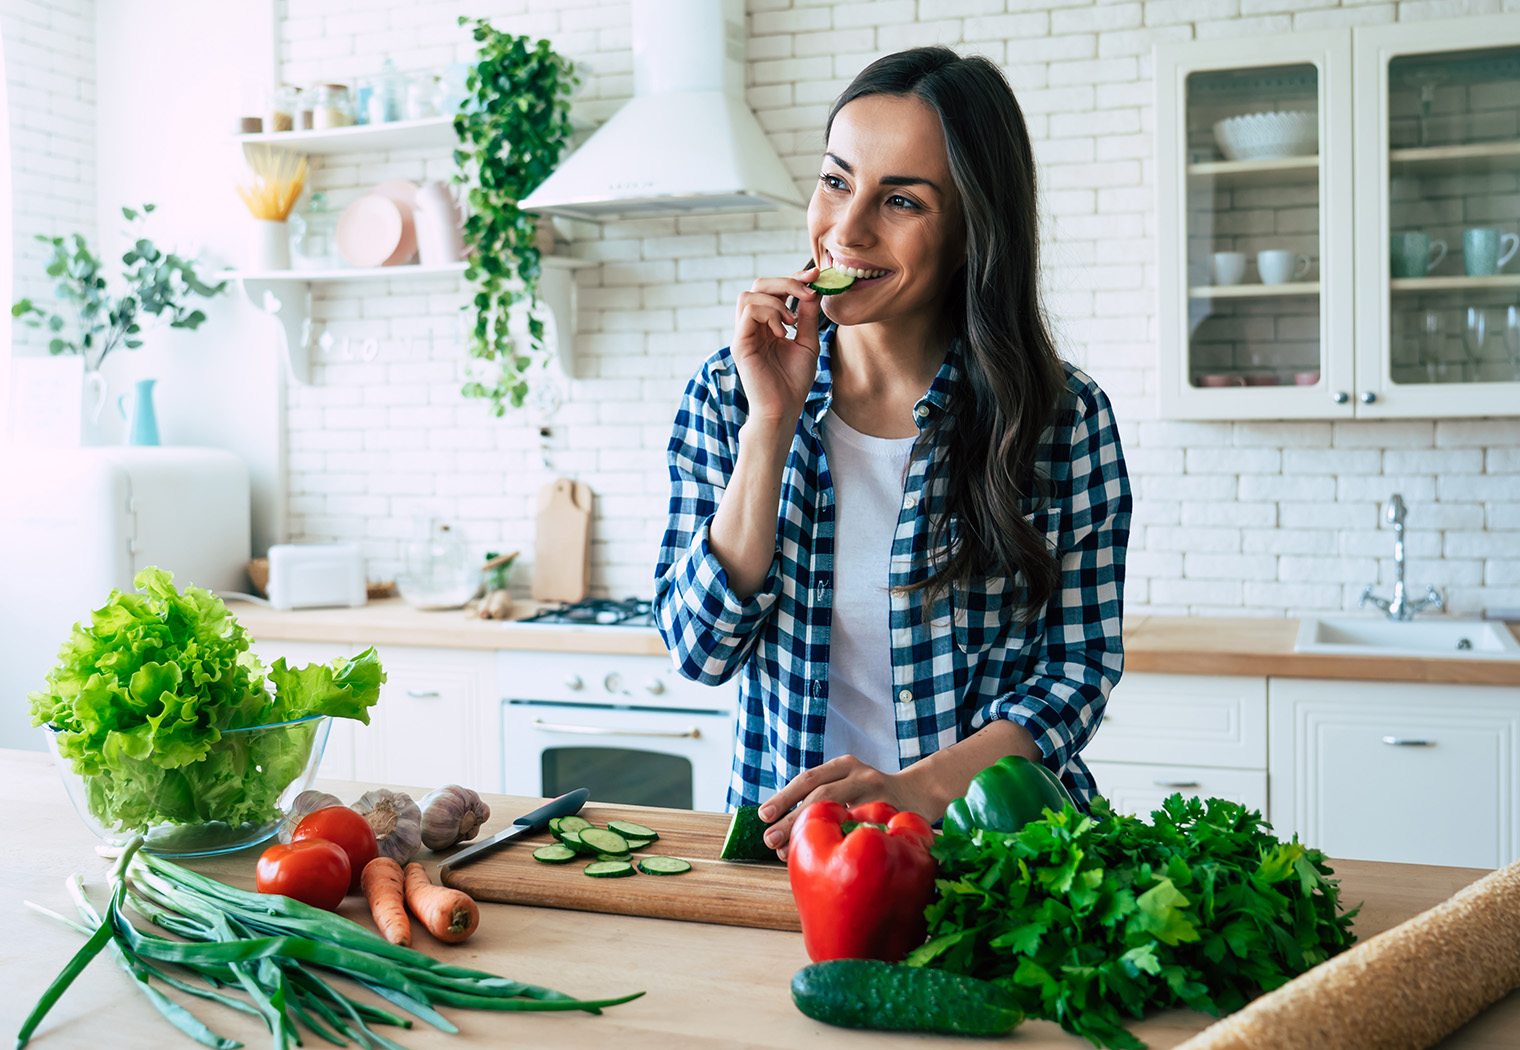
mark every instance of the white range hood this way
{"type": "Point", "coordinates": [686, 142]}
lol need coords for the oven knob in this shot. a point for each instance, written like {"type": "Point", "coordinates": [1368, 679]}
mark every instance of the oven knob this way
{"type": "Point", "coordinates": [613, 683]}
{"type": "Point", "coordinates": [654, 687]}
{"type": "Point", "coordinates": [574, 682]}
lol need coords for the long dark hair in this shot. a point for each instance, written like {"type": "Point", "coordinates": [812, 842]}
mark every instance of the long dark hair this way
{"type": "Point", "coordinates": [1014, 383]}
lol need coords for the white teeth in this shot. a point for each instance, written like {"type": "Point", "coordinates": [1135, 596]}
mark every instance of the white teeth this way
{"type": "Point", "coordinates": [850, 271]}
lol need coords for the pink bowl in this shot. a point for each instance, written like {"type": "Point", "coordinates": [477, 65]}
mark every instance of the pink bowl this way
{"type": "Point", "coordinates": [1305, 378]}
{"type": "Point", "coordinates": [1261, 379]}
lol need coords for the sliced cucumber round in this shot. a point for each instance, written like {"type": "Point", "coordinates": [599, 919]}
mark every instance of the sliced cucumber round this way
{"type": "Point", "coordinates": [555, 853]}
{"type": "Point", "coordinates": [614, 856]}
{"type": "Point", "coordinates": [572, 823]}
{"type": "Point", "coordinates": [664, 866]}
{"type": "Point", "coordinates": [573, 840]}
{"type": "Point", "coordinates": [831, 282]}
{"type": "Point", "coordinates": [629, 830]}
{"type": "Point", "coordinates": [609, 869]}
{"type": "Point", "coordinates": [603, 841]}
{"type": "Point", "coordinates": [637, 844]}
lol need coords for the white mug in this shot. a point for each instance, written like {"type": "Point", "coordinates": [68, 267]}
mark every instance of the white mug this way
{"type": "Point", "coordinates": [439, 236]}
{"type": "Point", "coordinates": [1229, 267]}
{"type": "Point", "coordinates": [1278, 266]}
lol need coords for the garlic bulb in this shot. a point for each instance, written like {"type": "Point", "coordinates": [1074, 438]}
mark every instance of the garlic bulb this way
{"type": "Point", "coordinates": [305, 803]}
{"type": "Point", "coordinates": [451, 814]}
{"type": "Point", "coordinates": [397, 821]}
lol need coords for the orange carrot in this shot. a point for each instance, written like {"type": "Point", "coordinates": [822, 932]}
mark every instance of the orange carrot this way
{"type": "Point", "coordinates": [448, 914]}
{"type": "Point", "coordinates": [381, 882]}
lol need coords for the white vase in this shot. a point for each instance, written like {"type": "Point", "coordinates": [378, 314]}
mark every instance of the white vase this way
{"type": "Point", "coordinates": [269, 245]}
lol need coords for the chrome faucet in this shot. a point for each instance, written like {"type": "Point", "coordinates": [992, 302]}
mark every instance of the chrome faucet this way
{"type": "Point", "coordinates": [1399, 607]}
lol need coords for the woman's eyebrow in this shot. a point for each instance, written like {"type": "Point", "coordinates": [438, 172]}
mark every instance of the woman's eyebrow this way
{"type": "Point", "coordinates": [887, 180]}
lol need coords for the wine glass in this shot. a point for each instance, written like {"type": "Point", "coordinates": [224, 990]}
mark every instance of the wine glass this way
{"type": "Point", "coordinates": [1483, 343]}
{"type": "Point", "coordinates": [1429, 344]}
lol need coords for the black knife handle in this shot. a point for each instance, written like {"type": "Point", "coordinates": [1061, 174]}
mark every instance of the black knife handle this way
{"type": "Point", "coordinates": [566, 805]}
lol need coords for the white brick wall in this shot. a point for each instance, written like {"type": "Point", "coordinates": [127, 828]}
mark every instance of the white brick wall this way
{"type": "Point", "coordinates": [1260, 518]}
{"type": "Point", "coordinates": [50, 77]}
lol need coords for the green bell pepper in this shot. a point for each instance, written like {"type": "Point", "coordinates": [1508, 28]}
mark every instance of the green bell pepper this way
{"type": "Point", "coordinates": [1005, 796]}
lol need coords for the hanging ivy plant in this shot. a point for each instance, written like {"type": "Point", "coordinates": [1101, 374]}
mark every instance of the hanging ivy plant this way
{"type": "Point", "coordinates": [511, 131]}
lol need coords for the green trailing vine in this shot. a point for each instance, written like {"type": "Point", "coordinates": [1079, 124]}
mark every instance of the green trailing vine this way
{"type": "Point", "coordinates": [511, 134]}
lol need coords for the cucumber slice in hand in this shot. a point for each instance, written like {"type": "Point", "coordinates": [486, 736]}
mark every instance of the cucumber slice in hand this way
{"type": "Point", "coordinates": [831, 282]}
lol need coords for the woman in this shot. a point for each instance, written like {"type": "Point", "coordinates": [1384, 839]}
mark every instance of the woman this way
{"type": "Point", "coordinates": [903, 523]}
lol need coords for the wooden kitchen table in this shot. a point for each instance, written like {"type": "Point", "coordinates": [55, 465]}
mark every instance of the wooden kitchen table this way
{"type": "Point", "coordinates": [708, 986]}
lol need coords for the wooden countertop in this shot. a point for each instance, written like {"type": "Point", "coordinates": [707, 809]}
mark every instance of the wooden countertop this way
{"type": "Point", "coordinates": [1173, 644]}
{"type": "Point", "coordinates": [707, 986]}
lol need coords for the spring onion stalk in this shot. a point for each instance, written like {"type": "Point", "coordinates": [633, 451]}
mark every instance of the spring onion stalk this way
{"type": "Point", "coordinates": [275, 950]}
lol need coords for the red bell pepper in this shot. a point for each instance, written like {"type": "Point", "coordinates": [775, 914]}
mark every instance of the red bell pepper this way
{"type": "Point", "coordinates": [861, 895]}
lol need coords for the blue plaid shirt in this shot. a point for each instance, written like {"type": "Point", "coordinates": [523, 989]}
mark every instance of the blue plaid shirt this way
{"type": "Point", "coordinates": [968, 664]}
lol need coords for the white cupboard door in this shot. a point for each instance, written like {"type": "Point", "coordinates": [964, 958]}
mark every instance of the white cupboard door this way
{"type": "Point", "coordinates": [435, 722]}
{"type": "Point", "coordinates": [1437, 321]}
{"type": "Point", "coordinates": [1182, 719]}
{"type": "Point", "coordinates": [1255, 278]}
{"type": "Point", "coordinates": [1397, 771]}
{"type": "Point", "coordinates": [1137, 789]}
{"type": "Point", "coordinates": [338, 756]}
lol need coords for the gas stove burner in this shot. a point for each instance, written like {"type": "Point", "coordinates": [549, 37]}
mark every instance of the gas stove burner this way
{"type": "Point", "coordinates": [605, 612]}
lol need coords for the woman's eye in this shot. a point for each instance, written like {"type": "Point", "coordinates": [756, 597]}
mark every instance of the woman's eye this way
{"type": "Point", "coordinates": [897, 201]}
{"type": "Point", "coordinates": [833, 182]}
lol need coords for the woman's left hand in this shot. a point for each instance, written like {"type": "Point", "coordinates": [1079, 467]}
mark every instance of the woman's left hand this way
{"type": "Point", "coordinates": [848, 780]}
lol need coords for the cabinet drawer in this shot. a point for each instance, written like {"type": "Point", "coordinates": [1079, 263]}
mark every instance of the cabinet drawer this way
{"type": "Point", "coordinates": [434, 721]}
{"type": "Point", "coordinates": [1398, 771]}
{"type": "Point", "coordinates": [1132, 787]}
{"type": "Point", "coordinates": [1179, 719]}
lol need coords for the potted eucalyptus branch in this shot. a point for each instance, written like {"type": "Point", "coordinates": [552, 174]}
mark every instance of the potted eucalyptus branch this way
{"type": "Point", "coordinates": [511, 131]}
{"type": "Point", "coordinates": [158, 283]}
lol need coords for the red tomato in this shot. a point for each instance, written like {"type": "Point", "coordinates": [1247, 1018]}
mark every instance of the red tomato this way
{"type": "Point", "coordinates": [313, 870]}
{"type": "Point", "coordinates": [345, 828]}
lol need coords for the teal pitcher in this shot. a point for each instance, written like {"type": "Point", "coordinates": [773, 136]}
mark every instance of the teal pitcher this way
{"type": "Point", "coordinates": [142, 422]}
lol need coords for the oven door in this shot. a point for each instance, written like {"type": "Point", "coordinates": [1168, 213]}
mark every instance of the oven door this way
{"type": "Point", "coordinates": [629, 756]}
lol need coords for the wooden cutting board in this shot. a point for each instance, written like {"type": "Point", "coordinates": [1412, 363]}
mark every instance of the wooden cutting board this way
{"type": "Point", "coordinates": [562, 542]}
{"type": "Point", "coordinates": [731, 893]}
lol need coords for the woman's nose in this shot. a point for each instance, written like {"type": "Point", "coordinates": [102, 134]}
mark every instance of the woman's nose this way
{"type": "Point", "coordinates": [853, 226]}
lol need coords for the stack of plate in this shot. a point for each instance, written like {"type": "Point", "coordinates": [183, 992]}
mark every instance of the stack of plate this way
{"type": "Point", "coordinates": [378, 229]}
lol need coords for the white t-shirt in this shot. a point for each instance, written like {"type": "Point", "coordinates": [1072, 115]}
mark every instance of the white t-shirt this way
{"type": "Point", "coordinates": [868, 477]}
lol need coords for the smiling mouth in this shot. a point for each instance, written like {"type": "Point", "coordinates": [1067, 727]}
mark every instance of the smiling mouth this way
{"type": "Point", "coordinates": [860, 274]}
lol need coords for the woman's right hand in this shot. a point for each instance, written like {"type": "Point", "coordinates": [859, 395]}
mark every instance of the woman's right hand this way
{"type": "Point", "coordinates": [777, 372]}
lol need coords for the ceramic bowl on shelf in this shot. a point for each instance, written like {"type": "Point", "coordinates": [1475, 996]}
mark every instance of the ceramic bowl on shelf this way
{"type": "Point", "coordinates": [236, 796]}
{"type": "Point", "coordinates": [1268, 136]}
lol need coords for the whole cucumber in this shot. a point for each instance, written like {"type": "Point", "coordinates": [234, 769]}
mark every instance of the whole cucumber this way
{"type": "Point", "coordinates": [867, 993]}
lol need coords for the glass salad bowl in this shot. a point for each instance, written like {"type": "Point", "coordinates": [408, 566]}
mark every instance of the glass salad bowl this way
{"type": "Point", "coordinates": [234, 796]}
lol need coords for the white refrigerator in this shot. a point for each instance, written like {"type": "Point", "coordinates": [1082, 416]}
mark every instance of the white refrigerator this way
{"type": "Point", "coordinates": [75, 523]}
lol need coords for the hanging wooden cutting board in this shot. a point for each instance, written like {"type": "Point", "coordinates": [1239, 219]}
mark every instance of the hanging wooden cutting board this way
{"type": "Point", "coordinates": [730, 893]}
{"type": "Point", "coordinates": [562, 542]}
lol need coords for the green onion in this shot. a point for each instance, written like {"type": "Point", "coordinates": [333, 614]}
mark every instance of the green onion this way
{"type": "Point", "coordinates": [275, 951]}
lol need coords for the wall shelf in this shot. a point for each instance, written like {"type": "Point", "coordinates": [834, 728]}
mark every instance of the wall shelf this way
{"type": "Point", "coordinates": [428, 133]}
{"type": "Point", "coordinates": [1252, 291]}
{"type": "Point", "coordinates": [285, 295]}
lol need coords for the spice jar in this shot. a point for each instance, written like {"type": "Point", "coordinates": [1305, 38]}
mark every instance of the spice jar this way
{"type": "Point", "coordinates": [307, 99]}
{"type": "Point", "coordinates": [282, 109]}
{"type": "Point", "coordinates": [330, 107]}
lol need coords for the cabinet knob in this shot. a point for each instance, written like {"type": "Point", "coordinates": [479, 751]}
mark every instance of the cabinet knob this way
{"type": "Point", "coordinates": [1340, 397]}
{"type": "Point", "coordinates": [1402, 741]}
{"type": "Point", "coordinates": [422, 694]}
{"type": "Point", "coordinates": [613, 683]}
{"type": "Point", "coordinates": [1368, 396]}
{"type": "Point", "coordinates": [654, 687]}
{"type": "Point", "coordinates": [574, 682]}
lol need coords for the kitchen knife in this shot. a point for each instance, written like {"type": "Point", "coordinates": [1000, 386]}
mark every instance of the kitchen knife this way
{"type": "Point", "coordinates": [568, 803]}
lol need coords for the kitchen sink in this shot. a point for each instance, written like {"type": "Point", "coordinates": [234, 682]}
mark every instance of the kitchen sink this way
{"type": "Point", "coordinates": [1437, 636]}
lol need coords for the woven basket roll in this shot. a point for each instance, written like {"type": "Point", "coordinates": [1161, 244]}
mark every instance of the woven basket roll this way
{"type": "Point", "coordinates": [1404, 989]}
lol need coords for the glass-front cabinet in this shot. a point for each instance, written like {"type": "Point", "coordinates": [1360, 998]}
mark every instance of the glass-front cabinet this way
{"type": "Point", "coordinates": [1438, 170]}
{"type": "Point", "coordinates": [1337, 212]}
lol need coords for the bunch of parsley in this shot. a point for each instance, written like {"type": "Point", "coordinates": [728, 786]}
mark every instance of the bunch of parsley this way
{"type": "Point", "coordinates": [1088, 920]}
